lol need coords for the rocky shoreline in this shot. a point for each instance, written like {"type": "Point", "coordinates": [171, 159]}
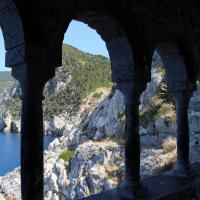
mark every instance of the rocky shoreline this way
{"type": "Point", "coordinates": [62, 124]}
{"type": "Point", "coordinates": [94, 154]}
{"type": "Point", "coordinates": [10, 126]}
{"type": "Point", "coordinates": [89, 156]}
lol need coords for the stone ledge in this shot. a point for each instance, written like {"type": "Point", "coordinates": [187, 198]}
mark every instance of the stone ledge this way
{"type": "Point", "coordinates": [162, 187]}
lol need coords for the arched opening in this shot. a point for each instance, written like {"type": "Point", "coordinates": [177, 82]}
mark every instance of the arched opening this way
{"type": "Point", "coordinates": [10, 125]}
{"type": "Point", "coordinates": [158, 120]}
{"type": "Point", "coordinates": [122, 70]}
{"type": "Point", "coordinates": [164, 113]}
{"type": "Point", "coordinates": [98, 124]}
{"type": "Point", "coordinates": [80, 75]}
{"type": "Point", "coordinates": [181, 86]}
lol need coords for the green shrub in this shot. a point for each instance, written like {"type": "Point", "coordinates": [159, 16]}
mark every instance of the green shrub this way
{"type": "Point", "coordinates": [88, 73]}
{"type": "Point", "coordinates": [66, 155]}
{"type": "Point", "coordinates": [15, 108]}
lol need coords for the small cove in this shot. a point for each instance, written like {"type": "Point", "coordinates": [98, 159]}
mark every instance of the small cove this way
{"type": "Point", "coordinates": [10, 151]}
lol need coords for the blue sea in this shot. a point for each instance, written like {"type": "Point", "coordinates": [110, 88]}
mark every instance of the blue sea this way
{"type": "Point", "coordinates": [10, 151]}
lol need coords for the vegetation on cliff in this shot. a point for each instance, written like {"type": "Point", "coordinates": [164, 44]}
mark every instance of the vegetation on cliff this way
{"type": "Point", "coordinates": [80, 74]}
{"type": "Point", "coordinates": [5, 80]}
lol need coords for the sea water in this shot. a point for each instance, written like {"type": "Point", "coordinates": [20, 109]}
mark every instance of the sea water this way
{"type": "Point", "coordinates": [10, 151]}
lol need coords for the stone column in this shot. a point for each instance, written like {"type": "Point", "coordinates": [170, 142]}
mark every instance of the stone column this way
{"type": "Point", "coordinates": [32, 84]}
{"type": "Point", "coordinates": [132, 186]}
{"type": "Point", "coordinates": [181, 85]}
{"type": "Point", "coordinates": [182, 167]}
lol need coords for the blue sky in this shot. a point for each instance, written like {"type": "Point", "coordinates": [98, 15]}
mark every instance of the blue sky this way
{"type": "Point", "coordinates": [85, 38]}
{"type": "Point", "coordinates": [2, 54]}
{"type": "Point", "coordinates": [78, 35]}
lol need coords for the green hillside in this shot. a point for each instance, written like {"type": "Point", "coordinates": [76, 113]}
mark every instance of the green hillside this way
{"type": "Point", "coordinates": [81, 73]}
{"type": "Point", "coordinates": [5, 76]}
{"type": "Point", "coordinates": [6, 80]}
{"type": "Point", "coordinates": [88, 72]}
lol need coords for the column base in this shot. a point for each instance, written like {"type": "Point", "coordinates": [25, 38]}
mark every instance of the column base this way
{"type": "Point", "coordinates": [131, 190]}
{"type": "Point", "coordinates": [182, 170]}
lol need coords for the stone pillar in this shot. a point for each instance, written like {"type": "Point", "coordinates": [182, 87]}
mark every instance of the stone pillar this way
{"type": "Point", "coordinates": [132, 186]}
{"type": "Point", "coordinates": [32, 84]}
{"type": "Point", "coordinates": [181, 85]}
{"type": "Point", "coordinates": [182, 167]}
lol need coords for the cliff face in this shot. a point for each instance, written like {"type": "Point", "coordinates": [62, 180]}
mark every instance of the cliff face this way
{"type": "Point", "coordinates": [8, 89]}
{"type": "Point", "coordinates": [89, 157]}
{"type": "Point", "coordinates": [80, 74]}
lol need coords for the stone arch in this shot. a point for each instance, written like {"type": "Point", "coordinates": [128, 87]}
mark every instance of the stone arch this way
{"type": "Point", "coordinates": [130, 79]}
{"type": "Point", "coordinates": [119, 48]}
{"type": "Point", "coordinates": [12, 29]}
{"type": "Point", "coordinates": [175, 65]}
{"type": "Point", "coordinates": [113, 25]}
{"type": "Point", "coordinates": [182, 37]}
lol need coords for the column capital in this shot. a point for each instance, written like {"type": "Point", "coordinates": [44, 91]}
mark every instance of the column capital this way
{"type": "Point", "coordinates": [33, 72]}
{"type": "Point", "coordinates": [32, 79]}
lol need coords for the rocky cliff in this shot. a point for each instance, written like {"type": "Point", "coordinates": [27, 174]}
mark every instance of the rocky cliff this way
{"type": "Point", "coordinates": [89, 157]}
{"type": "Point", "coordinates": [80, 74]}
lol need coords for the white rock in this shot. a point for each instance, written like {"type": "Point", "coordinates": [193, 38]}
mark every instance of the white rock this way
{"type": "Point", "coordinates": [59, 122]}
{"type": "Point", "coordinates": [55, 197]}
{"type": "Point", "coordinates": [48, 195]}
{"type": "Point", "coordinates": [55, 146]}
{"type": "Point", "coordinates": [53, 185]}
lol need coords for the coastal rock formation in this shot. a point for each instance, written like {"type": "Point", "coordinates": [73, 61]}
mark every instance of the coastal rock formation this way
{"type": "Point", "coordinates": [64, 94]}
{"type": "Point", "coordinates": [89, 156]}
{"type": "Point", "coordinates": [93, 167]}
